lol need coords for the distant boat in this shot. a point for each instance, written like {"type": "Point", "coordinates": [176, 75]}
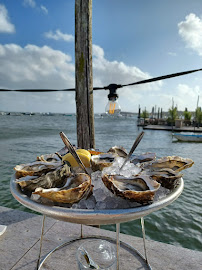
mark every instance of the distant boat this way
{"type": "Point", "coordinates": [188, 137]}
{"type": "Point", "coordinates": [68, 114]}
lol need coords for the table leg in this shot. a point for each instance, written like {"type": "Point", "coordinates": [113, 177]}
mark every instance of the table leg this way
{"type": "Point", "coordinates": [117, 244]}
{"type": "Point", "coordinates": [121, 244]}
{"type": "Point", "coordinates": [143, 234]}
{"type": "Point", "coordinates": [81, 231]}
{"type": "Point", "coordinates": [41, 240]}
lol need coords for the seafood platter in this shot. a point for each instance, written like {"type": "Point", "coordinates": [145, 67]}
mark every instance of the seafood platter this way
{"type": "Point", "coordinates": [102, 190]}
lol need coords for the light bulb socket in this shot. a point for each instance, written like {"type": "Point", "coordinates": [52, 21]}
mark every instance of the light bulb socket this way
{"type": "Point", "coordinates": [113, 96]}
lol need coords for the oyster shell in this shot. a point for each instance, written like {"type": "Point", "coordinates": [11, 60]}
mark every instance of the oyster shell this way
{"type": "Point", "coordinates": [51, 179]}
{"type": "Point", "coordinates": [140, 189]}
{"type": "Point", "coordinates": [49, 158]}
{"type": "Point", "coordinates": [62, 151]}
{"type": "Point", "coordinates": [75, 188]}
{"type": "Point", "coordinates": [172, 162]}
{"type": "Point", "coordinates": [98, 162]}
{"type": "Point", "coordinates": [166, 177]}
{"type": "Point", "coordinates": [146, 157]}
{"type": "Point", "coordinates": [119, 150]}
{"type": "Point", "coordinates": [35, 168]}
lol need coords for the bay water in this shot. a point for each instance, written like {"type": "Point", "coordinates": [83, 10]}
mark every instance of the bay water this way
{"type": "Point", "coordinates": [24, 137]}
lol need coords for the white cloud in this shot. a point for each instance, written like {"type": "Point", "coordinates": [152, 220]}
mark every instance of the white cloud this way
{"type": "Point", "coordinates": [58, 35]}
{"type": "Point", "coordinates": [34, 66]}
{"type": "Point", "coordinates": [107, 72]}
{"type": "Point", "coordinates": [172, 54]}
{"type": "Point", "coordinates": [44, 9]}
{"type": "Point", "coordinates": [5, 25]}
{"type": "Point", "coordinates": [43, 67]}
{"type": "Point", "coordinates": [191, 32]}
{"type": "Point", "coordinates": [30, 3]}
{"type": "Point", "coordinates": [186, 96]}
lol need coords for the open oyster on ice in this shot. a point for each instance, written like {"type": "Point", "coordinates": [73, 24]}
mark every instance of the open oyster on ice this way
{"type": "Point", "coordinates": [165, 176]}
{"type": "Point", "coordinates": [172, 162]}
{"type": "Point", "coordinates": [103, 160]}
{"type": "Point", "coordinates": [76, 188]}
{"type": "Point", "coordinates": [35, 168]}
{"type": "Point", "coordinates": [51, 179]}
{"type": "Point", "coordinates": [98, 162]}
{"type": "Point", "coordinates": [119, 150]}
{"type": "Point", "coordinates": [167, 170]}
{"type": "Point", "coordinates": [140, 189]}
{"type": "Point", "coordinates": [146, 157]}
{"type": "Point", "coordinates": [50, 158]}
{"type": "Point", "coordinates": [128, 182]}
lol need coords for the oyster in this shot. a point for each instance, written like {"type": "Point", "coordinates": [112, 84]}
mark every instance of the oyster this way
{"type": "Point", "coordinates": [172, 162]}
{"type": "Point", "coordinates": [119, 150]}
{"type": "Point", "coordinates": [166, 177]}
{"type": "Point", "coordinates": [140, 189]}
{"type": "Point", "coordinates": [75, 188]}
{"type": "Point", "coordinates": [51, 179]}
{"type": "Point", "coordinates": [146, 157]}
{"type": "Point", "coordinates": [98, 162]}
{"type": "Point", "coordinates": [49, 158]}
{"type": "Point", "coordinates": [35, 168]}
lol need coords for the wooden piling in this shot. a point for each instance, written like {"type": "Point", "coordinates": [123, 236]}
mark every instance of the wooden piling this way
{"type": "Point", "coordinates": [84, 74]}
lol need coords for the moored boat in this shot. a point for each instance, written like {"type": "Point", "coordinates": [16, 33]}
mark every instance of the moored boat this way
{"type": "Point", "coordinates": [188, 137]}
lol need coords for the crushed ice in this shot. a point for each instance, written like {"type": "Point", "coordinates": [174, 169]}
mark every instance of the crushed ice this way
{"type": "Point", "coordinates": [128, 170]}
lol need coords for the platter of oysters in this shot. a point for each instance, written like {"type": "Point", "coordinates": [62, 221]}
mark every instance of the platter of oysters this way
{"type": "Point", "coordinates": [94, 187]}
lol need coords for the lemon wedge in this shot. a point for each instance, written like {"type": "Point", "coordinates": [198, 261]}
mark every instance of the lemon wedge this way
{"type": "Point", "coordinates": [84, 155]}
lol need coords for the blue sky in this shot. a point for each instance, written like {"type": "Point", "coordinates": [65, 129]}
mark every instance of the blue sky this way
{"type": "Point", "coordinates": [132, 40]}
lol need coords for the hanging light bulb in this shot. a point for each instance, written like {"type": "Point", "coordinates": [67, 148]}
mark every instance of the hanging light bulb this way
{"type": "Point", "coordinates": [113, 107]}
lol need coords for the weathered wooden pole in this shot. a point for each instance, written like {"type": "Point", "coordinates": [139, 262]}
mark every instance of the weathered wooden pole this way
{"type": "Point", "coordinates": [84, 74]}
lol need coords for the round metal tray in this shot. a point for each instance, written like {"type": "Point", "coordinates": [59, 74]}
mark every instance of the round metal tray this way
{"type": "Point", "coordinates": [94, 217]}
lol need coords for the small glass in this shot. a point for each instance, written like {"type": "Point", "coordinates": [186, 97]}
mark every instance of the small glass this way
{"type": "Point", "coordinates": [96, 254]}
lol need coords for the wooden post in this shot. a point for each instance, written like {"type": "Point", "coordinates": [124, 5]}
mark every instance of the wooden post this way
{"type": "Point", "coordinates": [83, 74]}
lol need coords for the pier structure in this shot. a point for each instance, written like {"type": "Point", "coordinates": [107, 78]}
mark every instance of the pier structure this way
{"type": "Point", "coordinates": [172, 120]}
{"type": "Point", "coordinates": [173, 129]}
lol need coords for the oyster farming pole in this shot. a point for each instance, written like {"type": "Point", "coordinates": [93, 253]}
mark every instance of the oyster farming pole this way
{"type": "Point", "coordinates": [84, 74]}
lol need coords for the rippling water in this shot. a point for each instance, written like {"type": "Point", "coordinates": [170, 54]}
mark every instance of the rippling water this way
{"type": "Point", "coordinates": [24, 137]}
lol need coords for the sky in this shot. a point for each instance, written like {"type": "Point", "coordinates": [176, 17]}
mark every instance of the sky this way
{"type": "Point", "coordinates": [132, 40]}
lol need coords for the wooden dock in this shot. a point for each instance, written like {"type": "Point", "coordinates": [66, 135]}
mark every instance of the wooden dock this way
{"type": "Point", "coordinates": [19, 246]}
{"type": "Point", "coordinates": [174, 129]}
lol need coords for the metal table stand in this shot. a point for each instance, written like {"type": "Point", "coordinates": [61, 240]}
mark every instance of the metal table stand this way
{"type": "Point", "coordinates": [117, 241]}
